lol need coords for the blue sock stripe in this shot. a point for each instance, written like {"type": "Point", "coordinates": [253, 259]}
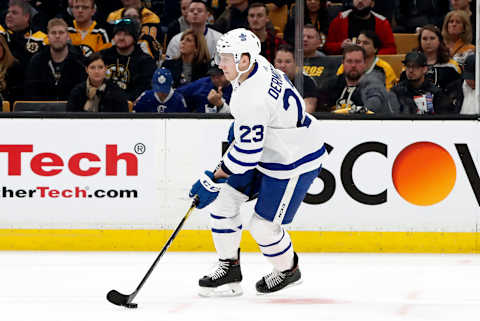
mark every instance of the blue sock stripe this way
{"type": "Point", "coordinates": [279, 253]}
{"type": "Point", "coordinates": [217, 217]}
{"type": "Point", "coordinates": [225, 231]}
{"type": "Point", "coordinates": [273, 243]}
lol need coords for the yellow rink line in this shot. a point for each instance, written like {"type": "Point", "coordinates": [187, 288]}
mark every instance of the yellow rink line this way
{"type": "Point", "coordinates": [200, 240]}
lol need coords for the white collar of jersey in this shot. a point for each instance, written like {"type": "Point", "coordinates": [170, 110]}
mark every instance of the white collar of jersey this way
{"type": "Point", "coordinates": [374, 63]}
{"type": "Point", "coordinates": [170, 94]}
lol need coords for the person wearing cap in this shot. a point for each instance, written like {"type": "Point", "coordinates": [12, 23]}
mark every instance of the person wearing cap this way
{"type": "Point", "coordinates": [127, 65]}
{"type": "Point", "coordinates": [149, 20]}
{"type": "Point", "coordinates": [97, 94]}
{"type": "Point", "coordinates": [462, 91]}
{"type": "Point", "coordinates": [193, 62]}
{"type": "Point", "coordinates": [416, 94]}
{"type": "Point", "coordinates": [149, 45]}
{"type": "Point", "coordinates": [197, 17]}
{"type": "Point", "coordinates": [162, 98]}
{"type": "Point", "coordinates": [209, 94]}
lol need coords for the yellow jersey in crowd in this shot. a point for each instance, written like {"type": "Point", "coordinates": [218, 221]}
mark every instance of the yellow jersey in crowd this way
{"type": "Point", "coordinates": [90, 40]}
{"type": "Point", "coordinates": [149, 20]}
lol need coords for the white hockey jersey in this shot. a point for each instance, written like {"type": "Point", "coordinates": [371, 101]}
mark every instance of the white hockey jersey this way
{"type": "Point", "coordinates": [273, 133]}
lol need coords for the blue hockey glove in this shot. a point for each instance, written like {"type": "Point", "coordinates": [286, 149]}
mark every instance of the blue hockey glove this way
{"type": "Point", "coordinates": [206, 188]}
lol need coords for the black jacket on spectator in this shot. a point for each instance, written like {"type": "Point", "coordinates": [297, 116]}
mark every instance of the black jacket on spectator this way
{"type": "Point", "coordinates": [230, 19]}
{"type": "Point", "coordinates": [15, 83]}
{"type": "Point", "coordinates": [132, 73]}
{"type": "Point", "coordinates": [454, 92]}
{"type": "Point", "coordinates": [40, 83]}
{"type": "Point", "coordinates": [23, 44]}
{"type": "Point", "coordinates": [369, 93]}
{"type": "Point", "coordinates": [411, 14]}
{"type": "Point", "coordinates": [112, 99]}
{"type": "Point", "coordinates": [403, 100]}
{"type": "Point", "coordinates": [176, 68]}
{"type": "Point", "coordinates": [440, 75]}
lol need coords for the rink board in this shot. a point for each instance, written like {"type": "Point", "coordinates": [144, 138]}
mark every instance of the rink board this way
{"type": "Point", "coordinates": [122, 184]}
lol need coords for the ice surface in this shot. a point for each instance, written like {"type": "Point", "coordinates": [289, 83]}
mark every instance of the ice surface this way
{"type": "Point", "coordinates": [71, 286]}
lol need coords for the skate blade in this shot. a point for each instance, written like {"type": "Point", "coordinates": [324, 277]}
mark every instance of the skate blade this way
{"type": "Point", "coordinates": [288, 286]}
{"type": "Point", "coordinates": [226, 290]}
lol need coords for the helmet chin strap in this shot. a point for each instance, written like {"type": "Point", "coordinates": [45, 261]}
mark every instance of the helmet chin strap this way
{"type": "Point", "coordinates": [235, 83]}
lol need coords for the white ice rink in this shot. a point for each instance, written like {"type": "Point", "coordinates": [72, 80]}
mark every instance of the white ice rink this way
{"type": "Point", "coordinates": [71, 286]}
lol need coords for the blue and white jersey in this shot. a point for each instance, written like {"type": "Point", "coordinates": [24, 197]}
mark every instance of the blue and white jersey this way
{"type": "Point", "coordinates": [148, 102]}
{"type": "Point", "coordinates": [273, 133]}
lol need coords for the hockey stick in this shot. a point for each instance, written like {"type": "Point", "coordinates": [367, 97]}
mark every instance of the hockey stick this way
{"type": "Point", "coordinates": [118, 298]}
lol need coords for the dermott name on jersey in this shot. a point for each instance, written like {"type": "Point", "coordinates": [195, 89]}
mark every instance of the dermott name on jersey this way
{"type": "Point", "coordinates": [275, 84]}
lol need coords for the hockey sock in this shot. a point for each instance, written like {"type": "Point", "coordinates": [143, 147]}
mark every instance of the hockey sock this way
{"type": "Point", "coordinates": [274, 242]}
{"type": "Point", "coordinates": [225, 222]}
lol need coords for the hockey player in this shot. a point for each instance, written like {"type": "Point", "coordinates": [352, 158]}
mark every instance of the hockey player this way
{"type": "Point", "coordinates": [276, 154]}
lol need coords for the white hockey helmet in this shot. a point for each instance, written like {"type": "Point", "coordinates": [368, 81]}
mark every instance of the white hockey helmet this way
{"type": "Point", "coordinates": [237, 42]}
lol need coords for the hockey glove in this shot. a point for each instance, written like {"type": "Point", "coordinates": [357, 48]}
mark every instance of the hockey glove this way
{"type": "Point", "coordinates": [206, 188]}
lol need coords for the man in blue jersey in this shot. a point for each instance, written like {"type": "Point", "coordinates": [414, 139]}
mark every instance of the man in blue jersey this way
{"type": "Point", "coordinates": [276, 154]}
{"type": "Point", "coordinates": [162, 98]}
{"type": "Point", "coordinates": [209, 94]}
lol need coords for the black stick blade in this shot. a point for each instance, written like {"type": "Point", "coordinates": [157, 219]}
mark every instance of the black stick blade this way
{"type": "Point", "coordinates": [117, 298]}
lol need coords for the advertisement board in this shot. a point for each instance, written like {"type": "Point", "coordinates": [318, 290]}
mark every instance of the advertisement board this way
{"type": "Point", "coordinates": [110, 175]}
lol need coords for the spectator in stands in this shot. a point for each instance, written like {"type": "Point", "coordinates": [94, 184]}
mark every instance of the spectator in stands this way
{"type": "Point", "coordinates": [257, 22]}
{"type": "Point", "coordinates": [357, 92]}
{"type": "Point", "coordinates": [181, 24]}
{"type": "Point", "coordinates": [457, 32]}
{"type": "Point", "coordinates": [416, 94]}
{"type": "Point", "coordinates": [149, 20]}
{"type": "Point", "coordinates": [197, 16]}
{"type": "Point", "coordinates": [11, 74]}
{"type": "Point", "coordinates": [65, 11]}
{"type": "Point", "coordinates": [462, 92]}
{"type": "Point", "coordinates": [412, 14]}
{"type": "Point", "coordinates": [217, 7]}
{"type": "Point", "coordinates": [285, 61]}
{"type": "Point", "coordinates": [369, 41]}
{"type": "Point", "coordinates": [147, 43]}
{"type": "Point", "coordinates": [127, 65]}
{"type": "Point", "coordinates": [311, 42]}
{"type": "Point", "coordinates": [466, 5]}
{"type": "Point", "coordinates": [162, 98]}
{"type": "Point", "coordinates": [234, 16]}
{"type": "Point", "coordinates": [85, 32]}
{"type": "Point", "coordinates": [56, 69]}
{"type": "Point", "coordinates": [345, 28]}
{"type": "Point", "coordinates": [22, 40]}
{"type": "Point", "coordinates": [193, 62]}
{"type": "Point", "coordinates": [97, 94]}
{"type": "Point", "coordinates": [316, 14]}
{"type": "Point", "coordinates": [209, 94]}
{"type": "Point", "coordinates": [441, 69]}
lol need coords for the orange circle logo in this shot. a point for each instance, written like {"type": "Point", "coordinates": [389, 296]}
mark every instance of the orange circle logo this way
{"type": "Point", "coordinates": [424, 173]}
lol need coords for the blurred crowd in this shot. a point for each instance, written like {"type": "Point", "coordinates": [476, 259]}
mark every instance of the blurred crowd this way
{"type": "Point", "coordinates": [157, 56]}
